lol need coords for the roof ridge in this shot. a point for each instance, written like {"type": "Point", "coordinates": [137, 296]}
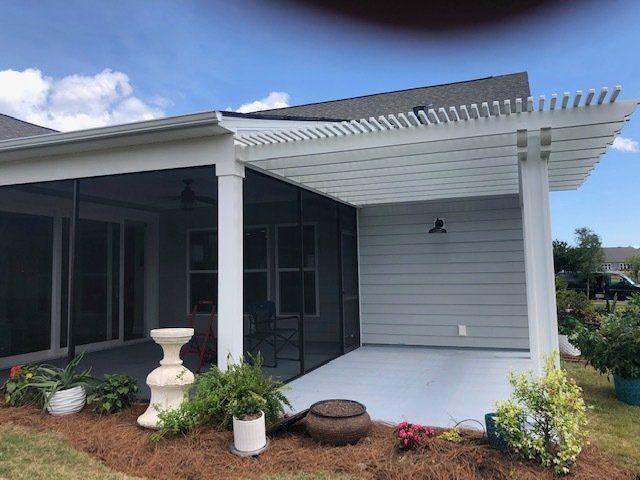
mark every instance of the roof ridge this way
{"type": "Point", "coordinates": [393, 91]}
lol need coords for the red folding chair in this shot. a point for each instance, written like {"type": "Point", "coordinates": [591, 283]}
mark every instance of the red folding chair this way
{"type": "Point", "coordinates": [204, 343]}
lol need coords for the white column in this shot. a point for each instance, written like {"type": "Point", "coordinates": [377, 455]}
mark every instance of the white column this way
{"type": "Point", "coordinates": [230, 262]}
{"type": "Point", "coordinates": [533, 156]}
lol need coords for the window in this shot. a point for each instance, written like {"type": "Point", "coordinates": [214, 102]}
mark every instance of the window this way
{"type": "Point", "coordinates": [202, 266]}
{"type": "Point", "coordinates": [616, 281]}
{"type": "Point", "coordinates": [288, 271]}
{"type": "Point", "coordinates": [624, 266]}
{"type": "Point", "coordinates": [606, 266]}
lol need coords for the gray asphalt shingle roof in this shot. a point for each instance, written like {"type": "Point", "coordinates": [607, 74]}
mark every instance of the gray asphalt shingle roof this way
{"type": "Point", "coordinates": [502, 87]}
{"type": "Point", "coordinates": [619, 254]}
{"type": "Point", "coordinates": [11, 127]}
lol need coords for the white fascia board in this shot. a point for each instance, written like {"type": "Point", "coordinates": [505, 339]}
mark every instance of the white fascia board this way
{"type": "Point", "coordinates": [138, 133]}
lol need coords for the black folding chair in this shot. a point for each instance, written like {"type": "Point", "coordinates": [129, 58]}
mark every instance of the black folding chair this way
{"type": "Point", "coordinates": [264, 330]}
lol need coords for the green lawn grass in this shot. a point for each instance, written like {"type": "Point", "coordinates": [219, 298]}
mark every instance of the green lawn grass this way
{"type": "Point", "coordinates": [27, 454]}
{"type": "Point", "coordinates": [613, 425]}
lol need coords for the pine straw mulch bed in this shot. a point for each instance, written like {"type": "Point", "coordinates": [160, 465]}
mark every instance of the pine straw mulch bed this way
{"type": "Point", "coordinates": [123, 446]}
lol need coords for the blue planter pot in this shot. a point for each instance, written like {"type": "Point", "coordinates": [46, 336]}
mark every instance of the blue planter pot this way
{"type": "Point", "coordinates": [495, 440]}
{"type": "Point", "coordinates": [627, 389]}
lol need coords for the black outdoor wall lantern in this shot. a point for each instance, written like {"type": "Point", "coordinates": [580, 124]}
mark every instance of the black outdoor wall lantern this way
{"type": "Point", "coordinates": [438, 226]}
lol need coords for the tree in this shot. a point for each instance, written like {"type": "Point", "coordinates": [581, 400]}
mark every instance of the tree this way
{"type": "Point", "coordinates": [565, 257]}
{"type": "Point", "coordinates": [634, 266]}
{"type": "Point", "coordinates": [589, 253]}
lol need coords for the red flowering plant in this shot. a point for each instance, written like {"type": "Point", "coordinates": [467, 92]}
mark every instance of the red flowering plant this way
{"type": "Point", "coordinates": [17, 390]}
{"type": "Point", "coordinates": [412, 436]}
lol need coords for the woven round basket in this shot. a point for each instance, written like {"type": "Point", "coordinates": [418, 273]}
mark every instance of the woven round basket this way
{"type": "Point", "coordinates": [344, 427]}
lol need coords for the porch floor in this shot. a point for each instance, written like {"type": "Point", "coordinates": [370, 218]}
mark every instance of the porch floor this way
{"type": "Point", "coordinates": [426, 385]}
{"type": "Point", "coordinates": [433, 386]}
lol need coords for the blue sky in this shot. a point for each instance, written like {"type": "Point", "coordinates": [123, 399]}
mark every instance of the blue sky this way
{"type": "Point", "coordinates": [178, 57]}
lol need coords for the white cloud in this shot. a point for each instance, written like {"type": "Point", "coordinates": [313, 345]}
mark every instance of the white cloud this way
{"type": "Point", "coordinates": [273, 100]}
{"type": "Point", "coordinates": [73, 102]}
{"type": "Point", "coordinates": [625, 144]}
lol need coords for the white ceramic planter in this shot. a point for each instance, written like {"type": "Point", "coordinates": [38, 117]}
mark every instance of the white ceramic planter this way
{"type": "Point", "coordinates": [170, 381]}
{"type": "Point", "coordinates": [566, 348]}
{"type": "Point", "coordinates": [249, 436]}
{"type": "Point", "coordinates": [66, 402]}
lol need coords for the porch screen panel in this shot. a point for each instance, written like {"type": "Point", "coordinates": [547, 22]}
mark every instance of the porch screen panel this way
{"type": "Point", "coordinates": [350, 282]}
{"type": "Point", "coordinates": [97, 282]}
{"type": "Point", "coordinates": [322, 322]}
{"type": "Point", "coordinates": [272, 285]}
{"type": "Point", "coordinates": [26, 256]}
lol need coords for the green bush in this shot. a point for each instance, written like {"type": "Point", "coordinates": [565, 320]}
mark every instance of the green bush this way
{"type": "Point", "coordinates": [178, 421]}
{"type": "Point", "coordinates": [217, 396]}
{"type": "Point", "coordinates": [113, 394]}
{"type": "Point", "coordinates": [614, 347]}
{"type": "Point", "coordinates": [573, 308]}
{"type": "Point", "coordinates": [546, 418]}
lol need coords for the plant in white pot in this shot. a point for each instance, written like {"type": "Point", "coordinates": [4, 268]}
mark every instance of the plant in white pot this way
{"type": "Point", "coordinates": [62, 391]}
{"type": "Point", "coordinates": [249, 427]}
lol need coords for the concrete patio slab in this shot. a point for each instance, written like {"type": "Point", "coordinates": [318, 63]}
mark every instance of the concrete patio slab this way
{"type": "Point", "coordinates": [432, 386]}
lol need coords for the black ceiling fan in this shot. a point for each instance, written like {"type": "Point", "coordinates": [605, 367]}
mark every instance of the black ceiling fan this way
{"type": "Point", "coordinates": [188, 198]}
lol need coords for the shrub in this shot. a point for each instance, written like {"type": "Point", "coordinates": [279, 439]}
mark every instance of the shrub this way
{"type": "Point", "coordinates": [546, 418]}
{"type": "Point", "coordinates": [573, 308]}
{"type": "Point", "coordinates": [411, 436]}
{"type": "Point", "coordinates": [242, 390]}
{"type": "Point", "coordinates": [17, 388]}
{"type": "Point", "coordinates": [451, 435]}
{"type": "Point", "coordinates": [615, 347]}
{"type": "Point", "coordinates": [177, 421]}
{"type": "Point", "coordinates": [113, 394]}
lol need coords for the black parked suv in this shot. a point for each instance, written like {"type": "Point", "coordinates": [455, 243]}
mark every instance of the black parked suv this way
{"type": "Point", "coordinates": [603, 284]}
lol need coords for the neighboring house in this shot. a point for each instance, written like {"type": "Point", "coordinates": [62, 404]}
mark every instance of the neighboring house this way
{"type": "Point", "coordinates": [615, 257]}
{"type": "Point", "coordinates": [307, 227]}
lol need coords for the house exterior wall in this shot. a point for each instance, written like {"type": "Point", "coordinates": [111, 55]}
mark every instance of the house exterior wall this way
{"type": "Point", "coordinates": [416, 288]}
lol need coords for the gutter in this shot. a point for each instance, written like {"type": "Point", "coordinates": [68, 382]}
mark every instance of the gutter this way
{"type": "Point", "coordinates": [148, 131]}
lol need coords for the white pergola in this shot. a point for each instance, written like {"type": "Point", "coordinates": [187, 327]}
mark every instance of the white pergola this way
{"type": "Point", "coordinates": [527, 148]}
{"type": "Point", "coordinates": [454, 152]}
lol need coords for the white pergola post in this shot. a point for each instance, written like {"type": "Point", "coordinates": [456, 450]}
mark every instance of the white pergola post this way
{"type": "Point", "coordinates": [230, 175]}
{"type": "Point", "coordinates": [534, 148]}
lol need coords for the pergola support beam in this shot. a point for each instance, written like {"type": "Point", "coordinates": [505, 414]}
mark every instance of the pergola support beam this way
{"type": "Point", "coordinates": [533, 157]}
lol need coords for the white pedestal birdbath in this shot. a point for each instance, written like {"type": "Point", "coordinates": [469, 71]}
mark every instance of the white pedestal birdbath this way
{"type": "Point", "coordinates": [170, 381]}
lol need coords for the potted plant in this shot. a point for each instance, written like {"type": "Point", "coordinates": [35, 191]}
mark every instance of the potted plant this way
{"type": "Point", "coordinates": [249, 428]}
{"type": "Point", "coordinates": [62, 391]}
{"type": "Point", "coordinates": [493, 434]}
{"type": "Point", "coordinates": [250, 398]}
{"type": "Point", "coordinates": [614, 349]}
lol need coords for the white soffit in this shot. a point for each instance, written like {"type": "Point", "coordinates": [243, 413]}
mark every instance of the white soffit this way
{"type": "Point", "coordinates": [454, 152]}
